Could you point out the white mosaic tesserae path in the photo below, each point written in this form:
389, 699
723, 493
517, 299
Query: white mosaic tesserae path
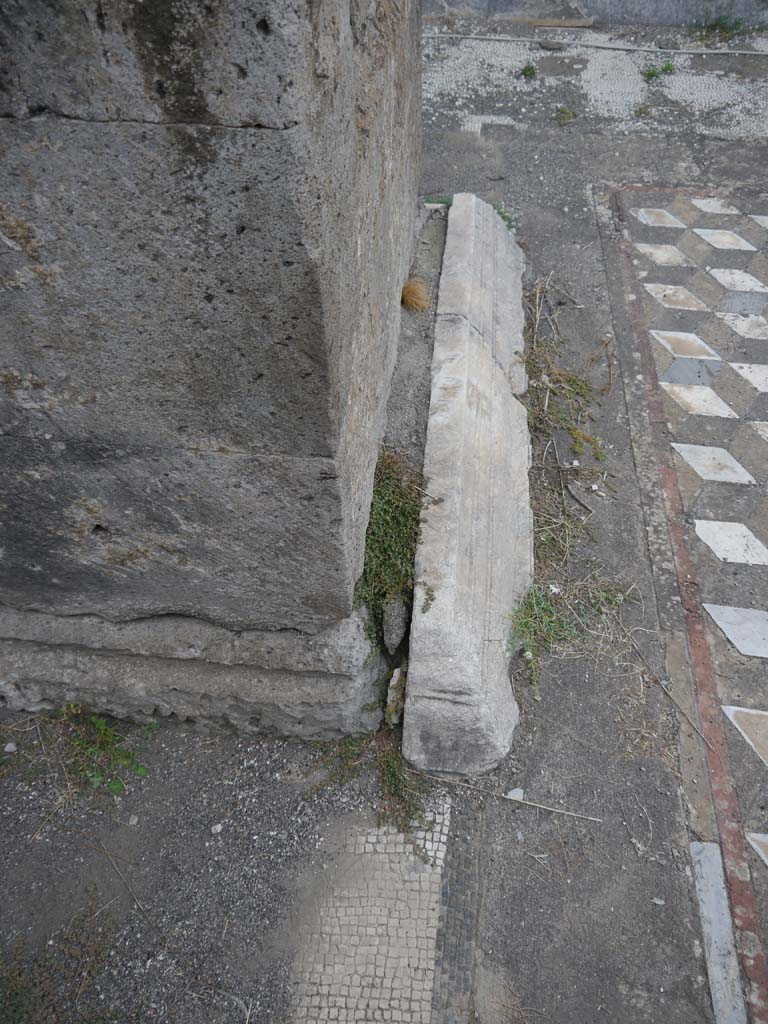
368, 952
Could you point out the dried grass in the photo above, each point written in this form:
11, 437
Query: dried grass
415, 295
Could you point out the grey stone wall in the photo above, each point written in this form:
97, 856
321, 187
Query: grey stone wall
206, 219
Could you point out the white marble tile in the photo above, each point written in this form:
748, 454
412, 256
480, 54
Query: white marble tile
737, 280
761, 428
759, 843
753, 326
753, 726
657, 218
699, 400
684, 345
664, 255
713, 205
759, 219
732, 542
714, 463
674, 296
746, 628
719, 239
755, 373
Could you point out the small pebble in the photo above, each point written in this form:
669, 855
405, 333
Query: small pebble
216, 829
10, 748
133, 820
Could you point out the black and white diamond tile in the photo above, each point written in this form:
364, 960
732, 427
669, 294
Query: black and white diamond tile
703, 266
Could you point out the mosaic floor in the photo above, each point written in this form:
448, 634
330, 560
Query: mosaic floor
697, 291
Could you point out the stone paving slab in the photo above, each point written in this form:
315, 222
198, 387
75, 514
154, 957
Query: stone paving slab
474, 560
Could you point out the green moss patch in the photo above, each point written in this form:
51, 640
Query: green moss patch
390, 543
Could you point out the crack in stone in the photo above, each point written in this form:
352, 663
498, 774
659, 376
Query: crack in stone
149, 620
245, 126
479, 336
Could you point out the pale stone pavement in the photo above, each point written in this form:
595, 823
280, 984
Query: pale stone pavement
368, 950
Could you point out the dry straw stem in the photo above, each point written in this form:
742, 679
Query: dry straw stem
415, 295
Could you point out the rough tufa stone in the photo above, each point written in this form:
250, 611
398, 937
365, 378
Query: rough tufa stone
210, 210
207, 218
474, 560
317, 687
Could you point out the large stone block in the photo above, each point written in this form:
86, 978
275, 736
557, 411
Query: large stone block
317, 687
207, 216
475, 555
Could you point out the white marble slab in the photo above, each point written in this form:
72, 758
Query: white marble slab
715, 464
699, 400
732, 542
746, 628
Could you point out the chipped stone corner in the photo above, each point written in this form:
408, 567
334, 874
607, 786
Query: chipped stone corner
474, 561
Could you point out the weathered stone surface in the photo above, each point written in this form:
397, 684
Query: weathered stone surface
481, 282
395, 624
209, 212
317, 687
138, 531
475, 555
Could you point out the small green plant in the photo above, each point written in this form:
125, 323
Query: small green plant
528, 71
102, 756
651, 73
17, 995
540, 624
562, 615
59, 982
668, 67
643, 110
722, 29
564, 116
401, 792
343, 760
439, 200
557, 398
429, 598
505, 215
390, 542
566, 617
